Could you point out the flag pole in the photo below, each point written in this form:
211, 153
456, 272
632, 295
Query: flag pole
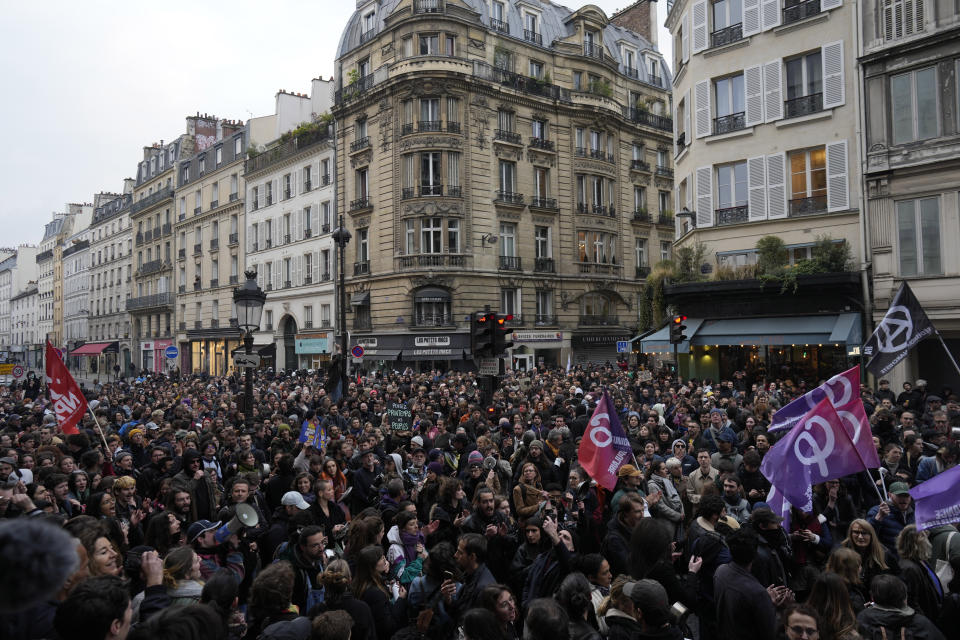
106, 447
949, 355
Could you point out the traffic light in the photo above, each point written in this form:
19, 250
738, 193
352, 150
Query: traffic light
500, 333
677, 328
482, 334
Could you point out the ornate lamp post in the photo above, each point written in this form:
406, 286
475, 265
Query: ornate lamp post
342, 237
248, 301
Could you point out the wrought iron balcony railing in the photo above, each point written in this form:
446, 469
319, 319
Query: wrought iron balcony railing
732, 215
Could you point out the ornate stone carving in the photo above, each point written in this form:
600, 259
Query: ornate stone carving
505, 151
431, 279
438, 207
363, 222
508, 283
479, 100
597, 167
879, 188
417, 142
477, 44
361, 159
541, 158
543, 220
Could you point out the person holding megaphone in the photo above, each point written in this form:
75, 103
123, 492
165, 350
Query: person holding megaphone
218, 543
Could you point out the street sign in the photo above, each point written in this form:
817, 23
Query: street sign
623, 346
488, 366
246, 360
357, 351
6, 369
171, 352
59, 352
18, 372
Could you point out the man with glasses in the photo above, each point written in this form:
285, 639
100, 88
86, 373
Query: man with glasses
889, 518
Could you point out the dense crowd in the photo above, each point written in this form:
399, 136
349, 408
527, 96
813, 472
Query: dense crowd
176, 515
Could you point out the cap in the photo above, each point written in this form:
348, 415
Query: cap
199, 528
151, 426
436, 467
628, 470
900, 489
294, 499
9, 461
933, 398
536, 443
651, 598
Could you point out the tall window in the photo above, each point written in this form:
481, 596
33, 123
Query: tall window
498, 10
639, 199
808, 175
732, 185
362, 183
596, 246
508, 176
508, 239
410, 237
538, 128
541, 181
509, 300
429, 45
541, 239
431, 235
918, 228
453, 236
664, 250
505, 120
431, 180
544, 306
914, 97
727, 13
804, 76
902, 18
640, 252
729, 95
363, 249
430, 111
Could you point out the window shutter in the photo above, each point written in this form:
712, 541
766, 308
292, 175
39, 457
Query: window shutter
757, 188
699, 26
838, 196
259, 269
753, 87
689, 203
249, 243
676, 125
702, 97
293, 183
316, 267
773, 90
685, 37
830, 4
686, 117
777, 186
831, 57
705, 197
298, 263
770, 13
277, 274
297, 224
261, 196
751, 17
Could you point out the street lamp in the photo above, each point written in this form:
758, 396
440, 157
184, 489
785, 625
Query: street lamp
248, 303
342, 237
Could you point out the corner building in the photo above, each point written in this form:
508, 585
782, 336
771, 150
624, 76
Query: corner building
502, 153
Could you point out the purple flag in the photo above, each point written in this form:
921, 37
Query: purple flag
937, 500
780, 506
843, 391
816, 449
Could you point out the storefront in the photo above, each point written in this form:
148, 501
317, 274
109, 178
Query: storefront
153, 358
95, 357
797, 348
436, 350
536, 349
596, 348
209, 351
313, 349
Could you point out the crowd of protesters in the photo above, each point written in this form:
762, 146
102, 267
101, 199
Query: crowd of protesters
177, 515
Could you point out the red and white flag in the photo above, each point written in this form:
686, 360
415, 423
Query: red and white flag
68, 401
604, 447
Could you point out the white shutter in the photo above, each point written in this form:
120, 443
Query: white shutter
297, 224
297, 276
757, 188
250, 200
249, 243
773, 90
770, 13
277, 274
777, 186
261, 195
705, 197
315, 212
260, 282
685, 37
687, 105
838, 195
753, 87
689, 203
831, 57
702, 98
751, 17
830, 4
676, 124
316, 267
699, 34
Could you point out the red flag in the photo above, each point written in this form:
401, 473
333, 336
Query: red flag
68, 402
604, 447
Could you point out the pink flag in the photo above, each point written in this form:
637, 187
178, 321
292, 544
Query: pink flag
816, 449
604, 447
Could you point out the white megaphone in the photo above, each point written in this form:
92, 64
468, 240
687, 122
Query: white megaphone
246, 516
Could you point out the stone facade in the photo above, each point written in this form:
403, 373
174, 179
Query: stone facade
111, 276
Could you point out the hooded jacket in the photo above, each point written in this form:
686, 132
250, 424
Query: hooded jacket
871, 620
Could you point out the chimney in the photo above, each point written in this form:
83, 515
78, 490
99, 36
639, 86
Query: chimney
640, 17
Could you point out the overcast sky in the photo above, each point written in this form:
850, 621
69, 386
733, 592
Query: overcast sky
88, 84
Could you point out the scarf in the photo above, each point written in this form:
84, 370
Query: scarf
410, 542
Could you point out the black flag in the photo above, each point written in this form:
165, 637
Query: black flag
904, 325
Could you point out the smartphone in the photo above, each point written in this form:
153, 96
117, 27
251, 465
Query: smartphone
448, 575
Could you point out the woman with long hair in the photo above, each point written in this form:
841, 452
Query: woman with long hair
407, 551
79, 486
499, 600
924, 590
303, 483
369, 585
163, 532
597, 570
528, 493
181, 579
364, 531
332, 474
450, 511
618, 613
336, 581
874, 557
846, 563
326, 512
102, 556
830, 598
424, 592
573, 594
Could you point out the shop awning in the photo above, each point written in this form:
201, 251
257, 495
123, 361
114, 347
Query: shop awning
432, 294
831, 328
382, 354
360, 299
96, 348
266, 350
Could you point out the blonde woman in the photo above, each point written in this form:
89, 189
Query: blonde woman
618, 613
875, 559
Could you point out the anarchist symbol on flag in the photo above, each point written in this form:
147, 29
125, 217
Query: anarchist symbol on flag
904, 325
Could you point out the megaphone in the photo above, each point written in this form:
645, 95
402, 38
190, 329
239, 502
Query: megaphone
246, 516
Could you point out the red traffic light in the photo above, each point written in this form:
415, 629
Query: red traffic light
679, 319
481, 318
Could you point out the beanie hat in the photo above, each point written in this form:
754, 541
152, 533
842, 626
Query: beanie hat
475, 457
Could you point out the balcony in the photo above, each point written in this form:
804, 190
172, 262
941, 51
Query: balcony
640, 165
234, 238
599, 154
519, 82
506, 136
308, 233
544, 265
499, 25
361, 268
510, 263
598, 321
197, 249
428, 6
148, 236
234, 279
802, 106
197, 286
813, 205
541, 143
601, 268
368, 35
727, 35
324, 180
429, 125
453, 127
361, 143
795, 11
287, 193
640, 215
197, 210
267, 243
544, 203
307, 186
286, 238
152, 267
545, 320
214, 204
509, 198
268, 199
166, 229
665, 219
630, 72
325, 227
533, 36
642, 271
325, 277
682, 140
655, 80
434, 321
427, 190
731, 215
214, 283
601, 210
152, 199
729, 123
139, 238
287, 284
282, 151
182, 288
214, 244
644, 117
307, 279
666, 172
147, 302
255, 247
360, 203
234, 197
593, 51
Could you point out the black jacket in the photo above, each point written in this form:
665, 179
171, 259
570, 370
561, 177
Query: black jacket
873, 619
744, 609
616, 547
